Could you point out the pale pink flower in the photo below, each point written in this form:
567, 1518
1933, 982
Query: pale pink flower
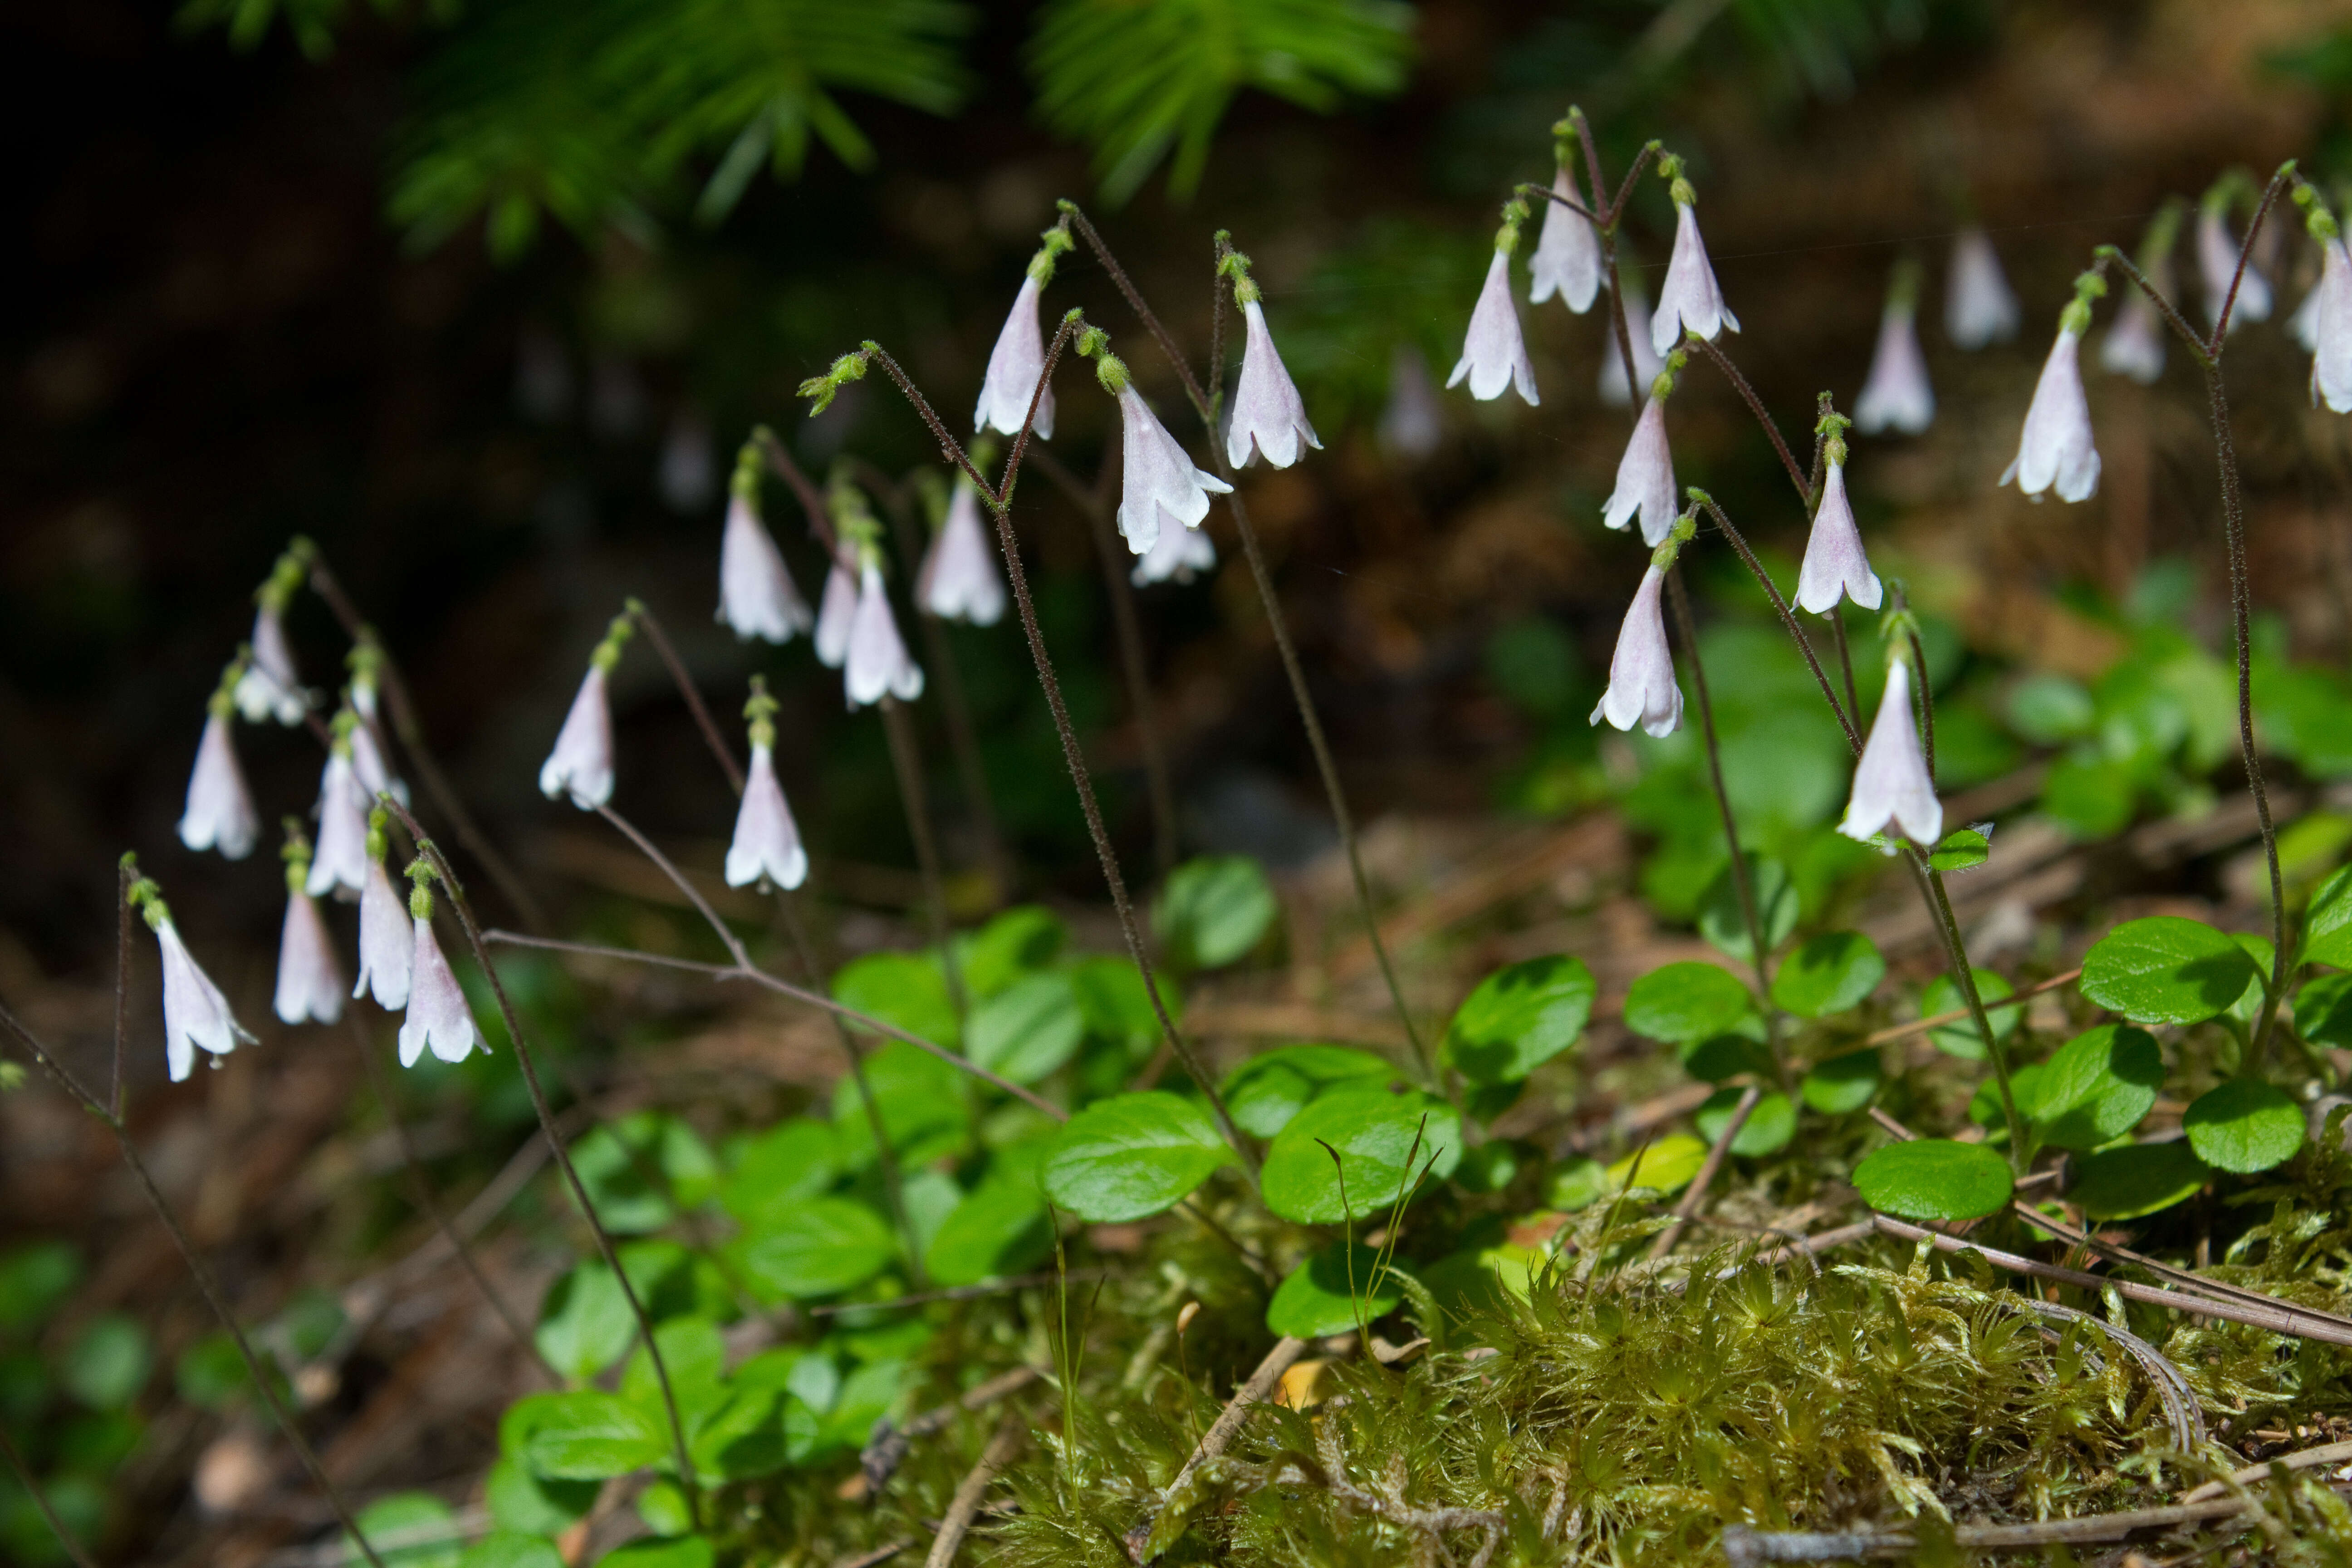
833, 614
438, 1018
219, 814
580, 766
339, 867
959, 581
1834, 561
1414, 422
1690, 297
1979, 308
2304, 325
387, 946
1645, 479
368, 767
2055, 448
1267, 413
1493, 353
2331, 362
269, 687
2134, 345
2217, 263
1567, 261
1642, 687
309, 983
1897, 394
767, 841
1015, 367
756, 596
1614, 390
878, 662
195, 1013
1158, 483
1177, 554
1891, 782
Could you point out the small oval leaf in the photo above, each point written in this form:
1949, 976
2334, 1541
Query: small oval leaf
1827, 973
2096, 1088
1132, 1156
1520, 1017
1767, 1130
1723, 919
1383, 1141
818, 1248
2137, 1179
2243, 1126
1667, 1165
1678, 1003
1843, 1084
1214, 911
1333, 1292
1265, 1093
1027, 1029
2166, 970
1934, 1178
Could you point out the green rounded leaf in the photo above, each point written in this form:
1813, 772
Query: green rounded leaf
1265, 1093
2323, 1011
511, 1549
522, 1503
2096, 1088
590, 1436
2328, 922
818, 1248
1116, 1006
906, 989
925, 1102
409, 1530
677, 1552
1767, 1128
635, 1168
1520, 1017
1843, 1084
1827, 973
1336, 1290
1667, 1165
2136, 1180
2243, 1126
2166, 970
1029, 1028
795, 1159
1934, 1178
2050, 709
1723, 919
1000, 1229
1574, 1184
1132, 1156
34, 1278
1724, 1057
1019, 942
109, 1363
1963, 849
1214, 911
1383, 1141
1679, 1003
1960, 1038
584, 1323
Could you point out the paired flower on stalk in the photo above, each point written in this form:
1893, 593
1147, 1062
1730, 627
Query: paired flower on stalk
757, 597
767, 843
2217, 260
340, 865
1642, 689
195, 1014
2055, 448
1493, 352
580, 766
857, 624
1891, 782
1646, 474
1979, 308
1567, 261
1835, 566
2331, 345
1897, 394
2134, 345
269, 688
1269, 417
1016, 365
309, 981
1160, 486
438, 1018
219, 813
959, 580
1690, 300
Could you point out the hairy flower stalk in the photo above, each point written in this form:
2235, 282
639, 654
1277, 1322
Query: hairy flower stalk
1269, 417
959, 580
767, 843
1158, 484
1835, 564
309, 981
195, 1014
1897, 394
438, 1019
757, 597
579, 768
2055, 448
1690, 300
1646, 474
1642, 687
1018, 362
1979, 308
387, 944
2217, 262
1567, 259
1616, 391
219, 812
2134, 345
1891, 782
1493, 352
340, 865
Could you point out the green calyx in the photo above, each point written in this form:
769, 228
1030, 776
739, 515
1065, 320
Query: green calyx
2318, 221
223, 701
1515, 215
1233, 264
296, 853
365, 659
1092, 343
344, 721
854, 522
1661, 385
378, 832
285, 578
1684, 530
761, 710
822, 389
745, 484
1903, 284
1671, 170
1052, 244
1832, 428
145, 897
1564, 138
2075, 318
420, 891
618, 633
1897, 628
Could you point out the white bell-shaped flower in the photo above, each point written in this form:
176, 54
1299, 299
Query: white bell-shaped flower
269, 688
1690, 299
387, 945
1175, 556
1158, 483
1645, 479
438, 1019
1979, 308
2304, 325
1891, 782
1493, 353
368, 770
1567, 261
756, 594
1834, 561
1414, 423
340, 865
878, 663
2055, 448
309, 981
767, 841
833, 614
195, 1013
2331, 361
1014, 368
2217, 265
1642, 689
580, 766
2134, 345
959, 580
1614, 390
1267, 416
1897, 394
219, 814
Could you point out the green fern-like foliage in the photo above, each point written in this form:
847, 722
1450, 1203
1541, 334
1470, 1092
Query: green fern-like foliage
593, 111
1136, 79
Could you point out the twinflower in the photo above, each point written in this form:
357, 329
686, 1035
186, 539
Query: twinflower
767, 843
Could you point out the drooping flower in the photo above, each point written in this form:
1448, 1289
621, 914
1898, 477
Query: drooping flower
1014, 368
195, 1013
1158, 483
340, 865
387, 944
1642, 687
309, 981
756, 594
959, 580
1891, 782
1493, 353
2055, 448
1567, 261
438, 1019
878, 662
1979, 308
833, 614
1614, 390
1690, 299
2305, 323
1177, 554
2217, 264
1268, 415
2134, 345
270, 688
1834, 561
1414, 422
219, 814
1897, 394
688, 468
580, 766
1645, 478
767, 841
2331, 361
